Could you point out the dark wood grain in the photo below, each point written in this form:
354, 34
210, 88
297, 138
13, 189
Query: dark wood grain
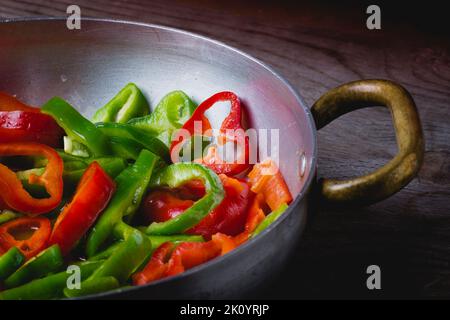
317, 47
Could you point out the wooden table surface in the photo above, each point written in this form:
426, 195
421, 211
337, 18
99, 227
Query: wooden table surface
317, 47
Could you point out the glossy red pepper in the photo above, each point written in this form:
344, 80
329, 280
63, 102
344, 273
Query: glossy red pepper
29, 235
255, 216
10, 103
266, 179
231, 130
21, 123
228, 217
12, 192
156, 268
162, 205
169, 260
190, 254
93, 193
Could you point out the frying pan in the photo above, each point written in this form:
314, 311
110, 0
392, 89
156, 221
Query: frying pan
41, 58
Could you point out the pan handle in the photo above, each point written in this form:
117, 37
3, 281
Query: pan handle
399, 171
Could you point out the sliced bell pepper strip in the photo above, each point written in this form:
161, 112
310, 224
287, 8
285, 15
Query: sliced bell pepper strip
92, 287
91, 197
128, 256
124, 261
8, 215
175, 176
10, 262
231, 130
11, 190
16, 233
131, 186
27, 126
270, 218
190, 254
50, 287
10, 103
171, 259
169, 115
156, 268
228, 217
266, 178
156, 242
161, 205
141, 137
112, 166
127, 104
78, 128
73, 171
125, 148
46, 262
254, 218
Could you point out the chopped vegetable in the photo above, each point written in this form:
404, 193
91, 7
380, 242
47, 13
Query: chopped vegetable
29, 235
12, 192
131, 185
169, 115
29, 126
10, 262
81, 132
91, 198
129, 103
266, 179
46, 262
231, 131
176, 175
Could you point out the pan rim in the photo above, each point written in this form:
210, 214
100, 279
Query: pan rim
291, 209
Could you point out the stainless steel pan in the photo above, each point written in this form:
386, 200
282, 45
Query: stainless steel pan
42, 58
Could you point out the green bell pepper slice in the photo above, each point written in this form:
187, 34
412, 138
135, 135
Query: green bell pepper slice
127, 257
10, 262
140, 137
49, 260
169, 115
8, 215
125, 148
81, 131
131, 185
50, 287
176, 175
73, 171
155, 240
93, 286
269, 219
127, 104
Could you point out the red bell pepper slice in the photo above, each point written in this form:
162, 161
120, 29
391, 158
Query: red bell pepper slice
12, 192
266, 179
160, 206
24, 126
228, 217
255, 216
10, 103
92, 195
169, 260
22, 123
231, 130
190, 254
16, 233
156, 268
